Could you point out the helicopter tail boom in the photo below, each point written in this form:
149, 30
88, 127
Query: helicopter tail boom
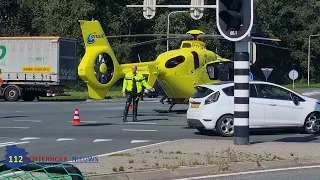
99, 67
148, 69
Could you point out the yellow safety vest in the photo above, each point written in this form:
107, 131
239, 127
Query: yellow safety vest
140, 81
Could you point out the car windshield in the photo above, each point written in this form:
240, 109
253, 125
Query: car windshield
202, 92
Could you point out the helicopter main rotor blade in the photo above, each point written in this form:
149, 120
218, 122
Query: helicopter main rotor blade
267, 39
200, 36
164, 39
151, 42
271, 46
210, 36
152, 35
203, 36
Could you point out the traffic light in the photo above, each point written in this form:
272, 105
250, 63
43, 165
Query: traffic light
234, 18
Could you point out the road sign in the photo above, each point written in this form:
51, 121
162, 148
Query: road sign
293, 74
266, 72
197, 13
149, 12
250, 76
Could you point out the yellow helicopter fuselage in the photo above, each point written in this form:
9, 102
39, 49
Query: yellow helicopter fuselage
178, 78
178, 71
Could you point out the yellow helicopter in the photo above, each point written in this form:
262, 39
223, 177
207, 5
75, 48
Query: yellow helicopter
177, 71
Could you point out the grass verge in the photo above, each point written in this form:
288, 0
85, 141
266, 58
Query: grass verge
114, 93
161, 159
298, 85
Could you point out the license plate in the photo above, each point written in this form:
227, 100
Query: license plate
195, 105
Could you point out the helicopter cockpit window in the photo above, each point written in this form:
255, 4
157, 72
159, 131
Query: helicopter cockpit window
223, 72
211, 72
218, 71
173, 62
186, 45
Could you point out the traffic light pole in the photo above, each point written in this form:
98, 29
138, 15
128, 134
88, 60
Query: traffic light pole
241, 93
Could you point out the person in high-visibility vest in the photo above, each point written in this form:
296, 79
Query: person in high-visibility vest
132, 89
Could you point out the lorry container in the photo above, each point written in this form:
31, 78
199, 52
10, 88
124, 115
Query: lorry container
33, 67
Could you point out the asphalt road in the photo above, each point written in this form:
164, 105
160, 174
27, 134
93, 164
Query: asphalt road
292, 174
45, 128
311, 92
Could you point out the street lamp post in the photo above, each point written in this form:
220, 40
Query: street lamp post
309, 56
173, 12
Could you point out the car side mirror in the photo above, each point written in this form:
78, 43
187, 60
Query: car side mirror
295, 100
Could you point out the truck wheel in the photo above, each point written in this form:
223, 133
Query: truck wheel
12, 94
28, 96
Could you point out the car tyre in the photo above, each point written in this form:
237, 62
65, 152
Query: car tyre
312, 123
225, 126
190, 125
203, 131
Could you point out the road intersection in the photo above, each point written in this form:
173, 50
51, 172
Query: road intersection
45, 128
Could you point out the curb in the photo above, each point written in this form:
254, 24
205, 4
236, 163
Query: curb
203, 170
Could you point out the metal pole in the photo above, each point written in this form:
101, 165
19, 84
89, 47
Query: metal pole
309, 55
168, 25
241, 93
309, 62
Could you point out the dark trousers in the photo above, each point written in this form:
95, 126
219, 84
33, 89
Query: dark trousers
131, 98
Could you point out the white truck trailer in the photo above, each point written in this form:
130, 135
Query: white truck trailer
33, 67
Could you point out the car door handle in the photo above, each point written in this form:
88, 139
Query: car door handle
271, 104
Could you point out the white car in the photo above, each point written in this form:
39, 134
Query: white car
271, 106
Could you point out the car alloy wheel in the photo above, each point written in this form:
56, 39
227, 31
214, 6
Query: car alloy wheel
226, 125
312, 124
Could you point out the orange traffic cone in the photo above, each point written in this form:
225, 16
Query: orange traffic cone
76, 118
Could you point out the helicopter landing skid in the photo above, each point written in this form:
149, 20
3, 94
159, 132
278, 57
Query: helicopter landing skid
168, 111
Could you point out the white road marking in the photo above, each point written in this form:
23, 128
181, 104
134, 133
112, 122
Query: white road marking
250, 172
29, 138
65, 139
18, 111
14, 127
140, 147
86, 121
101, 140
14, 143
6, 143
139, 141
139, 123
140, 130
27, 120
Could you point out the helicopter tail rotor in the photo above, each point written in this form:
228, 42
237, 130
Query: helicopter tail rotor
99, 67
